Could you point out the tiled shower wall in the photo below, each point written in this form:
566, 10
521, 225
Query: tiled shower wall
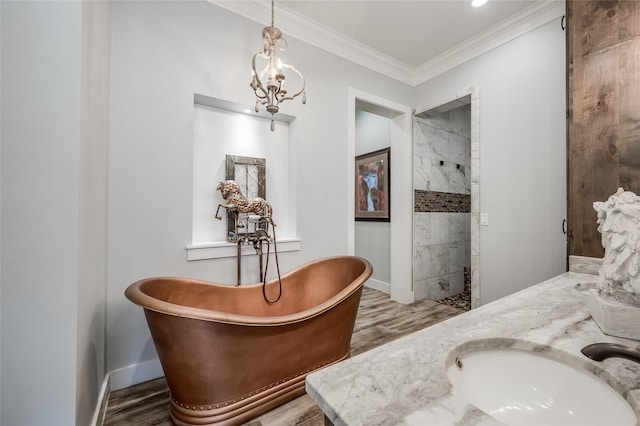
442, 215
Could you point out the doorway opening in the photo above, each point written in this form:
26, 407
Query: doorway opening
446, 214
398, 118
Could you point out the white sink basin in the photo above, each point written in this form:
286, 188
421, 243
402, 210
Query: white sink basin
519, 387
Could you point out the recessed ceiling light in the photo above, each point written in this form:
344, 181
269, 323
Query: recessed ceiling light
478, 3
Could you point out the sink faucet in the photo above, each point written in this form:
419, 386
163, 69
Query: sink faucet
602, 351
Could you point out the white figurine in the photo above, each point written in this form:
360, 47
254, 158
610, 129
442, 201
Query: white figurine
619, 224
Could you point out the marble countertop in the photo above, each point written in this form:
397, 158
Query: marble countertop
404, 382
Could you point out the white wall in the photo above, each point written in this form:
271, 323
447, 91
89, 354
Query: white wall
55, 96
373, 239
40, 139
522, 156
93, 192
40, 188
163, 53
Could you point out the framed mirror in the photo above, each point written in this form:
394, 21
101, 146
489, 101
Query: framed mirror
250, 174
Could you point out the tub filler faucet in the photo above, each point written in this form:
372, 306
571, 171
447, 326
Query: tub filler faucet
602, 351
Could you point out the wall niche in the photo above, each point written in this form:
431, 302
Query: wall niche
221, 129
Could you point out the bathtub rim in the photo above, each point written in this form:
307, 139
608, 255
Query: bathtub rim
138, 297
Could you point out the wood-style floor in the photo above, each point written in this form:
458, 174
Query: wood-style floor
379, 321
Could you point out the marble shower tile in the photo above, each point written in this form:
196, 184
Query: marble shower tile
475, 196
467, 152
467, 182
475, 146
421, 144
421, 262
467, 254
439, 287
420, 119
421, 172
439, 228
421, 289
467, 121
422, 229
439, 143
475, 281
475, 231
460, 120
457, 257
457, 226
458, 148
456, 282
467, 226
475, 161
459, 182
439, 178
439, 120
439, 264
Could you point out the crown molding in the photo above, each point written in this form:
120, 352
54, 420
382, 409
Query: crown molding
535, 16
320, 36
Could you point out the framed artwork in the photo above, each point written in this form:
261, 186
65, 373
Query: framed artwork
372, 186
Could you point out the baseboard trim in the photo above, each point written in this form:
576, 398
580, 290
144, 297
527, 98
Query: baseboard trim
103, 400
136, 373
378, 285
120, 379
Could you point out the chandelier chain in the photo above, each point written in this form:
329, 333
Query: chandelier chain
273, 6
268, 85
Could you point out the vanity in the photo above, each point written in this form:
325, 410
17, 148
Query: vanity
409, 381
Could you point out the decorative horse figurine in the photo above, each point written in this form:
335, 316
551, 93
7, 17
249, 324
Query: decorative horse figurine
236, 202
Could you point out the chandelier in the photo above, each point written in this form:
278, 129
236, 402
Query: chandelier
268, 85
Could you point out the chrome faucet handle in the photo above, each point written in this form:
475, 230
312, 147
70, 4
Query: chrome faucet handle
601, 351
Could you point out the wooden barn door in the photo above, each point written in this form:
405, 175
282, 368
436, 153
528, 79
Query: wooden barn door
603, 64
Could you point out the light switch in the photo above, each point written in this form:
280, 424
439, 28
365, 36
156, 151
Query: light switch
484, 219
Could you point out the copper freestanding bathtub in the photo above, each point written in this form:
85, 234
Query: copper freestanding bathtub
229, 355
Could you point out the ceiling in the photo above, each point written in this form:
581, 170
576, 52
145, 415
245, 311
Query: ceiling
409, 40
412, 32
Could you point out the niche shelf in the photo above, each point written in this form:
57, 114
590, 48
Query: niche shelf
221, 249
